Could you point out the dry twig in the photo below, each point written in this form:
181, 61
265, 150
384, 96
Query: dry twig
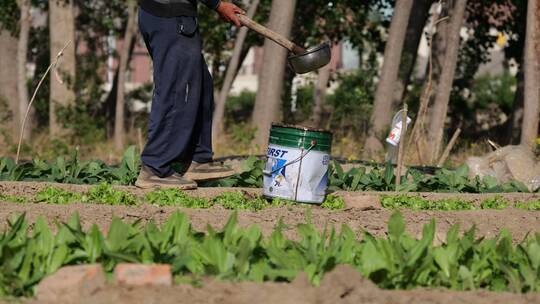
51, 66
449, 147
494, 145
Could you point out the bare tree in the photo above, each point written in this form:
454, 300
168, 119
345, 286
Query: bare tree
319, 94
219, 112
382, 108
531, 103
8, 81
268, 101
436, 40
129, 35
415, 29
62, 30
446, 80
22, 51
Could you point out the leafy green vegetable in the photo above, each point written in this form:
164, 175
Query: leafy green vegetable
372, 178
251, 175
239, 200
175, 197
13, 198
533, 205
106, 194
497, 202
381, 179
73, 170
418, 203
333, 203
54, 195
235, 253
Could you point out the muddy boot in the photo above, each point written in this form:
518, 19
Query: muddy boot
147, 179
208, 171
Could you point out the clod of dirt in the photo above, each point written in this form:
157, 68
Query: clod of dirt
301, 281
345, 282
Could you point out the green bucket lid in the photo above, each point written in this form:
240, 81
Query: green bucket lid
301, 137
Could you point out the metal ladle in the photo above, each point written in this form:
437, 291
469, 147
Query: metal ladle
302, 61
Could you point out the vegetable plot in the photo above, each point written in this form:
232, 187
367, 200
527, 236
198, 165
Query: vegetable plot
376, 178
452, 204
382, 178
244, 254
73, 170
106, 194
444, 180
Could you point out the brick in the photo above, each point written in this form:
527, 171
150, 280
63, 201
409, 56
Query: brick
139, 274
71, 283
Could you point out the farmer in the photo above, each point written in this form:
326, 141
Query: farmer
181, 116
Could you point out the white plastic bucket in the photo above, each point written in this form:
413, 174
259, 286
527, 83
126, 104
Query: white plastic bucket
297, 173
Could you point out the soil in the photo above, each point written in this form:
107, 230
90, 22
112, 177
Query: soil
342, 285
361, 200
363, 212
488, 222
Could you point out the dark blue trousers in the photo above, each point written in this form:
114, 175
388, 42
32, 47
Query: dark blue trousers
180, 128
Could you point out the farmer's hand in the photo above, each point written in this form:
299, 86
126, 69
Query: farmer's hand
228, 12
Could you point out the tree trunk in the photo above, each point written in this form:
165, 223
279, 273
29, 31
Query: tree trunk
415, 29
440, 42
531, 104
108, 108
319, 95
22, 51
8, 79
61, 30
444, 87
437, 40
513, 130
219, 113
268, 101
382, 108
129, 35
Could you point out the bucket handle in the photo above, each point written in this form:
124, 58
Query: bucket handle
299, 158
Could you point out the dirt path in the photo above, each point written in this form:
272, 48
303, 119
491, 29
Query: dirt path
342, 285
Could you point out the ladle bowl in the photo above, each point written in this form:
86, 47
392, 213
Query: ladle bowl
313, 59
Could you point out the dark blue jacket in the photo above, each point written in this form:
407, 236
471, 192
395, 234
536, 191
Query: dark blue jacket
175, 8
